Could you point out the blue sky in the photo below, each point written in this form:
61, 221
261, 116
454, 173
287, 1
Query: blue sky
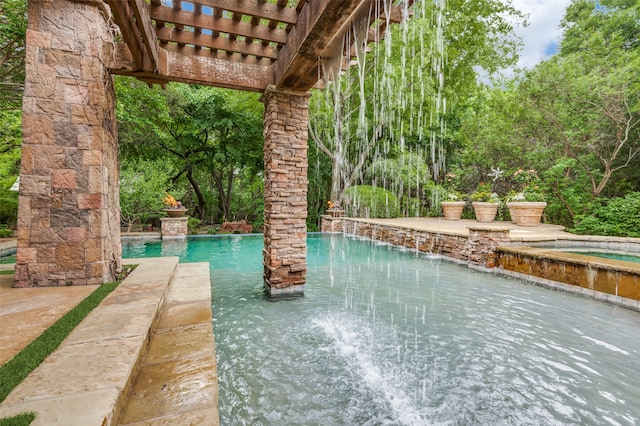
542, 35
540, 38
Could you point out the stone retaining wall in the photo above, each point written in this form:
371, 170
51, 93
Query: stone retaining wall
478, 248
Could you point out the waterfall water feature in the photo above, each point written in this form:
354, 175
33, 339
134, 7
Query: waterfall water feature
388, 336
396, 90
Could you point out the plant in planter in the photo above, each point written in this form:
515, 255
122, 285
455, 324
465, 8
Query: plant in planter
526, 205
485, 202
453, 201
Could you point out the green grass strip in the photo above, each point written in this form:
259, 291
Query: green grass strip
6, 272
23, 419
14, 371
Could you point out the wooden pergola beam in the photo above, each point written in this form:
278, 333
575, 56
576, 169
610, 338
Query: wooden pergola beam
255, 9
216, 43
137, 33
185, 65
319, 24
141, 12
217, 25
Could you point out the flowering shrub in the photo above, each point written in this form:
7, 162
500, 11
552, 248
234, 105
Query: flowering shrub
528, 188
484, 193
451, 194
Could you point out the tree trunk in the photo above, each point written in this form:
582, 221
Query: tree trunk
198, 192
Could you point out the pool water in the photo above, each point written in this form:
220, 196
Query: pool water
385, 336
610, 255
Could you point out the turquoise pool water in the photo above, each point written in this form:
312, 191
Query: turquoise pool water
609, 255
391, 337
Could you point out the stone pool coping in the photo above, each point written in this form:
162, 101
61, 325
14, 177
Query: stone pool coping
105, 371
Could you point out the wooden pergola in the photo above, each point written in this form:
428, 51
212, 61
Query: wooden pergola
68, 228
240, 44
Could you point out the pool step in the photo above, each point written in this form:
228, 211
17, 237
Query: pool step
86, 379
177, 382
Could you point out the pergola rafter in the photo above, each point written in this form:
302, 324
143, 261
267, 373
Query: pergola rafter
269, 42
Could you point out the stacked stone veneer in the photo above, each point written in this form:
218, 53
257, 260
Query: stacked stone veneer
68, 219
174, 228
285, 190
476, 249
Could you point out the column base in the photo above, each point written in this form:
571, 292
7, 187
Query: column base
294, 290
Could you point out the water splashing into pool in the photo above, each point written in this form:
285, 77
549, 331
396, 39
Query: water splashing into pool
391, 337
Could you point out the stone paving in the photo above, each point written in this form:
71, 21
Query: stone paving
129, 347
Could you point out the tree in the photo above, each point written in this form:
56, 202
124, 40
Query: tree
13, 29
211, 136
143, 183
11, 138
574, 117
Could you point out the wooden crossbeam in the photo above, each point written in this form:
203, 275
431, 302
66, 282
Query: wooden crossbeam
216, 43
122, 15
147, 32
217, 25
260, 10
185, 65
320, 23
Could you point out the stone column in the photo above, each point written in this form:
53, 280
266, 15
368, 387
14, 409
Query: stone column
285, 191
68, 219
174, 228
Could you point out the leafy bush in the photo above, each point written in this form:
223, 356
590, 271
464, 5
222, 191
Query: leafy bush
8, 202
4, 232
411, 207
370, 201
193, 224
620, 217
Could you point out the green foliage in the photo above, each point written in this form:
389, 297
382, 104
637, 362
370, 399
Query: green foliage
11, 137
8, 202
14, 371
13, 28
4, 232
484, 193
22, 419
370, 201
212, 137
193, 224
619, 217
143, 184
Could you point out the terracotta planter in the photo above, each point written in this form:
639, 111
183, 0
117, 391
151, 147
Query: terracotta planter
526, 213
485, 212
176, 212
335, 212
452, 209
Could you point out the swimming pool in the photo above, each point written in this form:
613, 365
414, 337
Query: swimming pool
627, 257
389, 336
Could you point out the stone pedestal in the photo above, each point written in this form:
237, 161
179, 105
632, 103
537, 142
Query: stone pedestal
174, 228
331, 224
69, 213
285, 191
482, 244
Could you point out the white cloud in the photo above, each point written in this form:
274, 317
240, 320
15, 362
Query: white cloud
543, 34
